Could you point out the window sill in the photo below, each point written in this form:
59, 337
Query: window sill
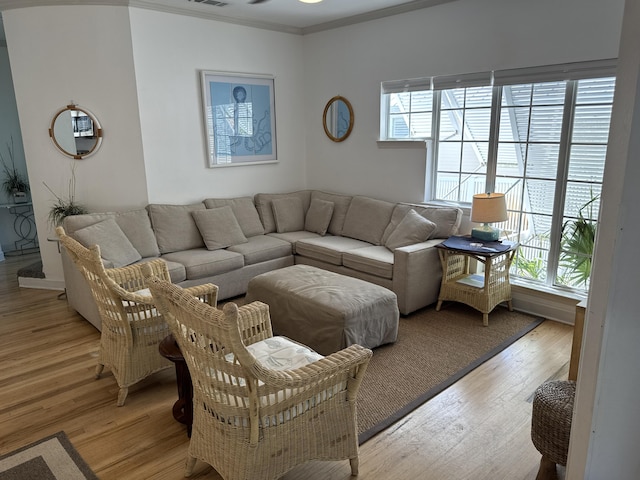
415, 143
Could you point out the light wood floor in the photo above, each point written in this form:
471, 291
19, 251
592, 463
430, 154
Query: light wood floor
477, 429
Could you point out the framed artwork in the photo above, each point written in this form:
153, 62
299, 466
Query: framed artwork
239, 118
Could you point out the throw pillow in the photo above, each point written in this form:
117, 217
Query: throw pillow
413, 228
115, 247
319, 216
288, 213
219, 227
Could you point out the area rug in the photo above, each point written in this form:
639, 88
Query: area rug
433, 351
52, 458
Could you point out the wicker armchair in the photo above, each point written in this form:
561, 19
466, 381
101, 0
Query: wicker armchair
258, 418
132, 327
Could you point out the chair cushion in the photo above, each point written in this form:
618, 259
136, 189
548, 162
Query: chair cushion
174, 227
218, 227
318, 216
115, 247
293, 237
367, 219
281, 353
413, 228
288, 213
262, 248
244, 211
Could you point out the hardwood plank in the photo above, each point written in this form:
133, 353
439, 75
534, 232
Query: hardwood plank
479, 428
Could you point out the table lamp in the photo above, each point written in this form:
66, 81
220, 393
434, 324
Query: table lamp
488, 208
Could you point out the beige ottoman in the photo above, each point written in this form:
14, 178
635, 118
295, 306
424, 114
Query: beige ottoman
324, 310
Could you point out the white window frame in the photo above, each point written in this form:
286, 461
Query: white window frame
497, 80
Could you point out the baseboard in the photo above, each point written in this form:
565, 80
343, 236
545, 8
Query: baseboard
544, 304
42, 283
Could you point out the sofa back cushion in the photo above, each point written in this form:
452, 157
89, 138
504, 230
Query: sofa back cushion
318, 216
367, 219
447, 219
218, 227
412, 229
340, 206
288, 214
174, 226
244, 211
135, 224
115, 247
265, 208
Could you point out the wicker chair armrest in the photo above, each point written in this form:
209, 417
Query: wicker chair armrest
352, 357
207, 292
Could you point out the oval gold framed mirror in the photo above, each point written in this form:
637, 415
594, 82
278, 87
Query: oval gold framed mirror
338, 118
75, 132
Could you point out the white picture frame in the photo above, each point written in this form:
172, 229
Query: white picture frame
239, 118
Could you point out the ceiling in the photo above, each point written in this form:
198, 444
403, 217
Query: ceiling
290, 16
295, 15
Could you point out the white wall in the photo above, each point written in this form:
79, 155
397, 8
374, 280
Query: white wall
81, 54
169, 52
458, 37
606, 424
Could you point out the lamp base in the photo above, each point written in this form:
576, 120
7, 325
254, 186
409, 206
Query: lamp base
485, 233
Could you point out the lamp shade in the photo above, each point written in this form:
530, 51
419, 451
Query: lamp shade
489, 208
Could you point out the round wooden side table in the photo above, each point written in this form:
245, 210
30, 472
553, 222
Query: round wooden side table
183, 408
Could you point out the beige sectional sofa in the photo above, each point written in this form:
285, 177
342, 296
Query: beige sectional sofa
228, 241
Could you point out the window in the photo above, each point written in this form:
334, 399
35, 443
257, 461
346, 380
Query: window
538, 135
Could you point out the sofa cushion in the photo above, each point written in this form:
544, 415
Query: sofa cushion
218, 227
262, 248
375, 260
288, 214
174, 227
115, 247
367, 219
328, 249
134, 223
244, 210
293, 237
318, 216
447, 219
177, 272
263, 205
413, 228
340, 206
201, 262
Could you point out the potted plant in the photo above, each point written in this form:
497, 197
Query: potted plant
63, 207
578, 239
14, 184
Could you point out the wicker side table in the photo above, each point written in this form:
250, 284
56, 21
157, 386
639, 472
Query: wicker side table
481, 291
551, 424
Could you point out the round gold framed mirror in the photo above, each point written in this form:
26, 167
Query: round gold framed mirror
75, 132
338, 118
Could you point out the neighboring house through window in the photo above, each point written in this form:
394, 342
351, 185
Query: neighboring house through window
539, 135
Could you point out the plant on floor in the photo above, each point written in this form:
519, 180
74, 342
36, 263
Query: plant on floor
63, 207
14, 181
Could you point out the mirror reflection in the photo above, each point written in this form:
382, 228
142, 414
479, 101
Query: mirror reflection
75, 132
338, 118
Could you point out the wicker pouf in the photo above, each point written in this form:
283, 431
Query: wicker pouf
551, 420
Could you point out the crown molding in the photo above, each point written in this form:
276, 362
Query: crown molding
150, 5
